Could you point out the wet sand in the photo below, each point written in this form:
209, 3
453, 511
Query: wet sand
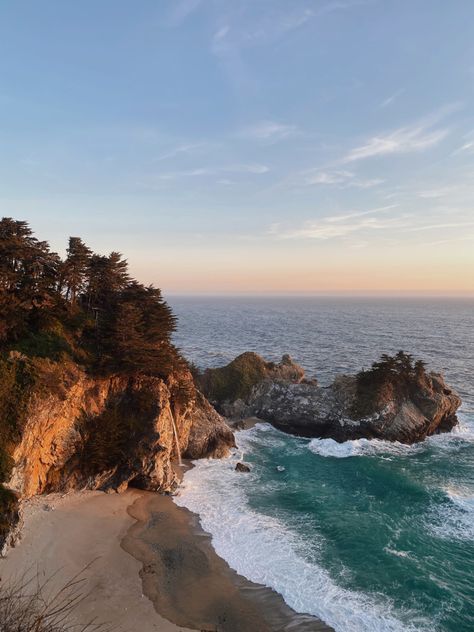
191, 585
146, 566
62, 535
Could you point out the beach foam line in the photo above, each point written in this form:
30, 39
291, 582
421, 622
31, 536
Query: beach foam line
462, 435
265, 551
361, 447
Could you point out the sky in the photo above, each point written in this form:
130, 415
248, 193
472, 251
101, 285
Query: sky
247, 146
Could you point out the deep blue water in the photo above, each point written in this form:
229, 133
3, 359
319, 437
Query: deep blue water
366, 535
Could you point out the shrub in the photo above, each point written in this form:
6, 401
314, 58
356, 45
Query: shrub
44, 344
234, 381
29, 604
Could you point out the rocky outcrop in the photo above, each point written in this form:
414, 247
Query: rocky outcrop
111, 432
231, 387
395, 408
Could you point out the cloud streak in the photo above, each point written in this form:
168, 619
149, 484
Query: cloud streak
341, 178
389, 100
253, 169
404, 140
342, 226
269, 131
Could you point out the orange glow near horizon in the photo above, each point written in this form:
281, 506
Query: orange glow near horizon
280, 270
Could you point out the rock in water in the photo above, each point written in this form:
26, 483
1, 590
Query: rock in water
395, 400
242, 467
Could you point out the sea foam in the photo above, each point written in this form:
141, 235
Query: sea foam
267, 552
461, 436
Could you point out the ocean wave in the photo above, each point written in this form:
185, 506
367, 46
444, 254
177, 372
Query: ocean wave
454, 519
361, 447
462, 435
265, 551
395, 552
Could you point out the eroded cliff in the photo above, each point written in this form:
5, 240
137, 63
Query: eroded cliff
84, 432
107, 433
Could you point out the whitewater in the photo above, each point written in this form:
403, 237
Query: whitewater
366, 535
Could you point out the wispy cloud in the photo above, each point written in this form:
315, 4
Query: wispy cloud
393, 97
431, 194
374, 211
416, 137
343, 226
242, 27
185, 148
401, 141
220, 34
253, 169
181, 10
269, 131
283, 23
341, 178
467, 146
441, 226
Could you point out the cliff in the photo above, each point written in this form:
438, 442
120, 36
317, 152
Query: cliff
393, 401
93, 393
77, 431
107, 433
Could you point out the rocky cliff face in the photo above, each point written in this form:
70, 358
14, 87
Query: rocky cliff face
107, 433
405, 411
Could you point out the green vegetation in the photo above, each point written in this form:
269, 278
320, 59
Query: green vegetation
109, 437
235, 380
86, 307
388, 379
82, 310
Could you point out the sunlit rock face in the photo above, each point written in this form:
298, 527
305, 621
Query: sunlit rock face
108, 433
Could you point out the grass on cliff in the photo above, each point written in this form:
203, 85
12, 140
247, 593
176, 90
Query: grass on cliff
235, 380
29, 604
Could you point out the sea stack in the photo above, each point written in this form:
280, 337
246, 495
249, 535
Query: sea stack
397, 399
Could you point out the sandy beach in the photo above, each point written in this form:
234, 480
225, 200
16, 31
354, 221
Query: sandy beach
62, 535
146, 556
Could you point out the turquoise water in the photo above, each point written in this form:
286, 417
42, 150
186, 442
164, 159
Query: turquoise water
366, 535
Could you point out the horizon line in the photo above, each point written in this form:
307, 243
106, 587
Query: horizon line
288, 294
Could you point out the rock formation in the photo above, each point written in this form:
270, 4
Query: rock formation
242, 467
107, 433
395, 400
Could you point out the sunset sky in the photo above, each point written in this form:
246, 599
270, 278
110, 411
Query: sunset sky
247, 145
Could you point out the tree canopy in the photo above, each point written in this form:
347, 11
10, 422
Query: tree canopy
86, 304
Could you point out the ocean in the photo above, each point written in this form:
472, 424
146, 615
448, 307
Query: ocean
366, 535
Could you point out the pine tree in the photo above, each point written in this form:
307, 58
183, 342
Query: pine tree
75, 268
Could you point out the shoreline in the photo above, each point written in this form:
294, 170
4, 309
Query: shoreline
191, 585
79, 533
144, 564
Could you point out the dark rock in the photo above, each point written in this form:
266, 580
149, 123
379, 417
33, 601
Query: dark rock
242, 467
399, 407
231, 388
